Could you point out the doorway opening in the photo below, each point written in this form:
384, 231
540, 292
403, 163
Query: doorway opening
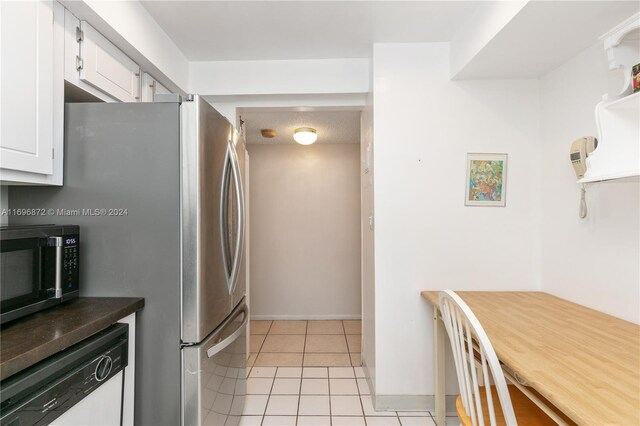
304, 239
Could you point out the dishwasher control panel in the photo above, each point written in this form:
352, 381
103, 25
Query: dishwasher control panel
39, 395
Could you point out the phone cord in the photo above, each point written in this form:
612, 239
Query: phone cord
583, 202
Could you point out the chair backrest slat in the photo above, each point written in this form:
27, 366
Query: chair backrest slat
463, 329
492, 415
474, 377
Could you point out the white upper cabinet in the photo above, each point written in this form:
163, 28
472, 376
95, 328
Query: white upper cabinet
104, 66
151, 87
72, 60
31, 92
43, 45
26, 124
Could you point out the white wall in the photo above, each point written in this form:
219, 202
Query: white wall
230, 85
305, 231
486, 22
593, 261
231, 106
315, 76
367, 245
425, 238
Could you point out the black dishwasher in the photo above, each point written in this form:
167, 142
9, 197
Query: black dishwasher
46, 390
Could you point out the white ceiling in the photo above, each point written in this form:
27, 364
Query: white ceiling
272, 30
332, 126
545, 35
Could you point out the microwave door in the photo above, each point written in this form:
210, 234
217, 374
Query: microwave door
21, 274
214, 374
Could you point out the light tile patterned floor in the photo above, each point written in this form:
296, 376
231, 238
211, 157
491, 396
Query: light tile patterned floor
307, 373
333, 343
317, 396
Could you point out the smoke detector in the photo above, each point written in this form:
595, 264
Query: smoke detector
268, 133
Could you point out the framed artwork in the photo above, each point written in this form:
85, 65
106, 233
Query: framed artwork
486, 182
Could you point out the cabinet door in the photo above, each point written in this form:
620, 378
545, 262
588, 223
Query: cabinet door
151, 87
106, 67
26, 90
72, 60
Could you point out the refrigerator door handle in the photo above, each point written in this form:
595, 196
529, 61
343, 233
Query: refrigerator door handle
222, 344
239, 192
224, 222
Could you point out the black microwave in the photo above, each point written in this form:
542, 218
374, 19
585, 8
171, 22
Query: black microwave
39, 268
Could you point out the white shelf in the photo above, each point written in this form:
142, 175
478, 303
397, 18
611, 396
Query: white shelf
618, 118
626, 102
612, 176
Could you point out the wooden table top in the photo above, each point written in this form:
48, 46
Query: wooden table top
583, 361
29, 340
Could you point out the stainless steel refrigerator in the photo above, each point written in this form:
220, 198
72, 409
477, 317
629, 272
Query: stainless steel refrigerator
157, 189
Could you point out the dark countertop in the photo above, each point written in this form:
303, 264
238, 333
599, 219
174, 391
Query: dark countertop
31, 339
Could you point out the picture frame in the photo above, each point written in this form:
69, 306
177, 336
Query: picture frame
486, 180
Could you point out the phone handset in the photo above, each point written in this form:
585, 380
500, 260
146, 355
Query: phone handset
580, 149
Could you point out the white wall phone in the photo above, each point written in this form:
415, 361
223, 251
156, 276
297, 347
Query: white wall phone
580, 150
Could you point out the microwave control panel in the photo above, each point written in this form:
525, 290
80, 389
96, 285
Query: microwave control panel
70, 262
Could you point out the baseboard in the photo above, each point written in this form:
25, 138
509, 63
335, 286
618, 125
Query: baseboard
406, 402
368, 378
412, 403
304, 317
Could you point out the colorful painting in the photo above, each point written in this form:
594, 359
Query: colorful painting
486, 179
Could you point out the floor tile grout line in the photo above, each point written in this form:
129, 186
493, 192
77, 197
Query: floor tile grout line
304, 349
300, 388
269, 329
269, 397
262, 344
329, 396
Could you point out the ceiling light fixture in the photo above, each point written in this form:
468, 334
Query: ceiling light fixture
305, 135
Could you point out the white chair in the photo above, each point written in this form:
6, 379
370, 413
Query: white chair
477, 405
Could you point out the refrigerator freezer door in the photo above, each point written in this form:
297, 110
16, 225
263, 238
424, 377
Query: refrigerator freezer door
205, 168
214, 374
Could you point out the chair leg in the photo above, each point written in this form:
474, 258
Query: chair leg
439, 364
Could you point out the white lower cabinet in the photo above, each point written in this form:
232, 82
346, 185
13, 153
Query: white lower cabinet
31, 92
112, 404
102, 407
128, 391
